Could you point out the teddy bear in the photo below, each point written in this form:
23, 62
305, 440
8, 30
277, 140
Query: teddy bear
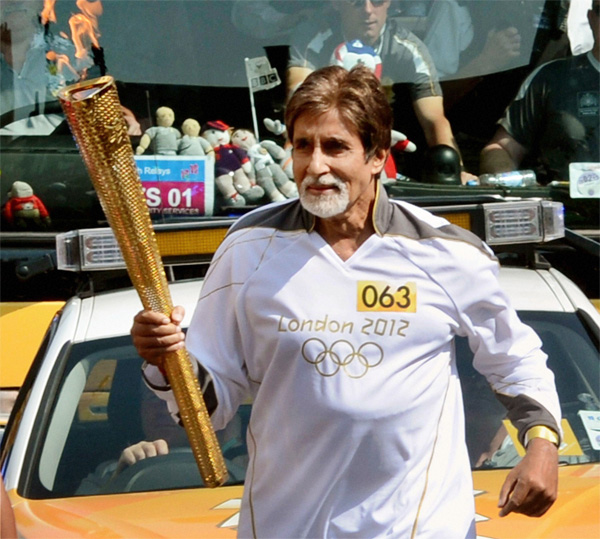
278, 128
163, 138
232, 167
23, 210
191, 143
269, 174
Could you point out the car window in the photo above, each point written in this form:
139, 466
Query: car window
573, 357
173, 53
102, 407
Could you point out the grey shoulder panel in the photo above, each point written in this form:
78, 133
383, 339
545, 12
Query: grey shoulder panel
403, 222
287, 216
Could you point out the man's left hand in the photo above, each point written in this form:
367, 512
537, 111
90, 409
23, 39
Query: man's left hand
531, 486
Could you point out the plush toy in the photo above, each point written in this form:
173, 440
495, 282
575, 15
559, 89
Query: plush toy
24, 210
400, 143
285, 162
269, 175
163, 138
232, 167
191, 143
351, 53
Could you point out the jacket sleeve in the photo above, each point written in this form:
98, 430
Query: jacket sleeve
506, 351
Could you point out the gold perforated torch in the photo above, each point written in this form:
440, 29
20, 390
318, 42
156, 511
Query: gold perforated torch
94, 115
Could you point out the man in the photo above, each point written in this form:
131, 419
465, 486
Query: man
336, 313
554, 119
405, 61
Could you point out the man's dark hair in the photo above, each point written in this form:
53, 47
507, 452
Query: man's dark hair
358, 97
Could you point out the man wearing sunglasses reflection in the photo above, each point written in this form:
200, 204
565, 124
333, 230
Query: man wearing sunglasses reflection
406, 66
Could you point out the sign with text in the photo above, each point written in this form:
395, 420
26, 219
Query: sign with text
584, 180
177, 186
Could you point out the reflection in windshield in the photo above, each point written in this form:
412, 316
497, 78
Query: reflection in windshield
451, 68
106, 428
573, 358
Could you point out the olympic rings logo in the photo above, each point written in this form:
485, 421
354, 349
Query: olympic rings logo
341, 355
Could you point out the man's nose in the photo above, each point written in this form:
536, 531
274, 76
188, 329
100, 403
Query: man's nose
318, 163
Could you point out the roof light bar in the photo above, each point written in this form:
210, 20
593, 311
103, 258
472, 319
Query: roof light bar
88, 250
504, 223
554, 220
531, 221
96, 249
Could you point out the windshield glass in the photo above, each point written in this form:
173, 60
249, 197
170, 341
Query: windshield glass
185, 68
102, 408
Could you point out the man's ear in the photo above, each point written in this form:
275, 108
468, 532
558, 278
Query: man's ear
378, 160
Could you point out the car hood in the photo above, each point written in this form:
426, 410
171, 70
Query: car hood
172, 514
576, 512
214, 512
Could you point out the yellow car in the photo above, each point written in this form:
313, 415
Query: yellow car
18, 347
83, 404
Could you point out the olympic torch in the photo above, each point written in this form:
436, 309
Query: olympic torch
94, 115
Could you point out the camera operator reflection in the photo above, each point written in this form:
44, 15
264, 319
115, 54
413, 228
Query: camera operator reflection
29, 81
553, 120
25, 77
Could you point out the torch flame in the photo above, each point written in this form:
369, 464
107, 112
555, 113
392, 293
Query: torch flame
84, 36
83, 33
91, 8
84, 26
48, 14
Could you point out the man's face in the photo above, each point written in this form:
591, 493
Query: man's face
334, 178
362, 19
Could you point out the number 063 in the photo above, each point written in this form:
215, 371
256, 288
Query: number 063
380, 296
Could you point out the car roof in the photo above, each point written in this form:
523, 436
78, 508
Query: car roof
534, 290
110, 314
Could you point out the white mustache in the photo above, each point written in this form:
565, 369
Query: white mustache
321, 181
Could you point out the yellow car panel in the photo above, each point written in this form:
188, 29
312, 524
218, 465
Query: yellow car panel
178, 514
574, 515
18, 347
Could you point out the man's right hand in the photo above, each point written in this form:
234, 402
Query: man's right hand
155, 334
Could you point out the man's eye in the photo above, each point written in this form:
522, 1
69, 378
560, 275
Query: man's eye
334, 146
300, 145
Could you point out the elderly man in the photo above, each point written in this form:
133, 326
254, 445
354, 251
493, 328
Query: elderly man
357, 431
406, 66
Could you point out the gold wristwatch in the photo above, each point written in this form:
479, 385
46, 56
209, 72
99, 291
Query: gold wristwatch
541, 431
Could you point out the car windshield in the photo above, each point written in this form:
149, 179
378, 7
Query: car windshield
223, 64
100, 406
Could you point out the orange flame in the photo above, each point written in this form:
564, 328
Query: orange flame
91, 8
48, 14
84, 26
82, 33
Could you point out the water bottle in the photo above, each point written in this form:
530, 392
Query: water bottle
515, 178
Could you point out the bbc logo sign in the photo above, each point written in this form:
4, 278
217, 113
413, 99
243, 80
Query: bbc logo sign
264, 80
